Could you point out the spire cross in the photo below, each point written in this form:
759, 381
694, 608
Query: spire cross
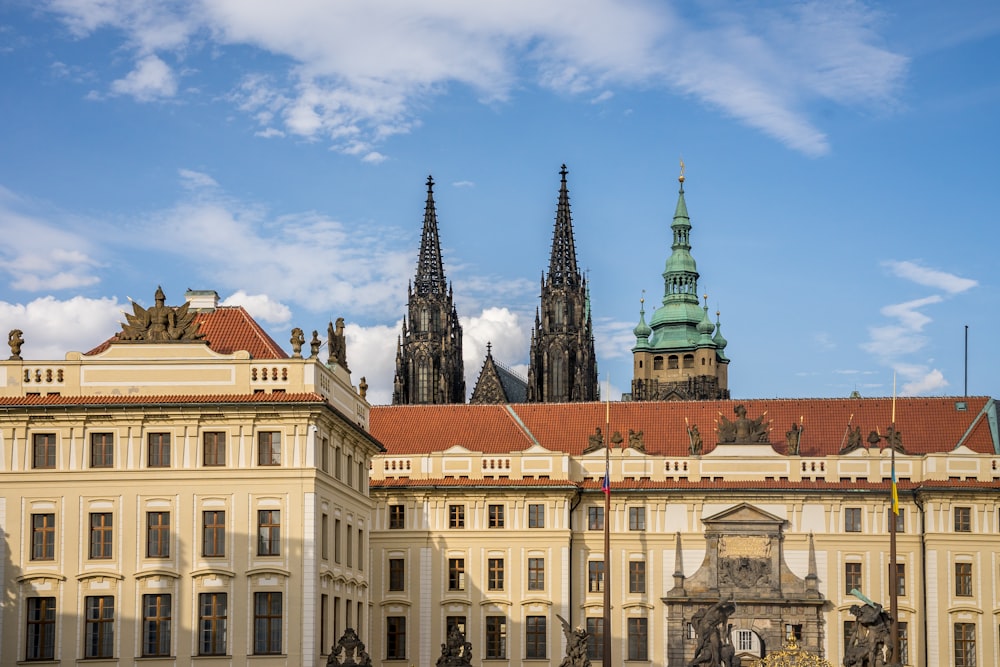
430, 184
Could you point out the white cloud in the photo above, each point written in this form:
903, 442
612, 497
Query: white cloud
150, 80
39, 254
260, 307
922, 275
371, 353
919, 380
463, 184
359, 73
904, 337
193, 180
269, 133
52, 327
501, 328
374, 157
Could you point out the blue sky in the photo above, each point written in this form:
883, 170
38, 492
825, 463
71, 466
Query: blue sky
841, 173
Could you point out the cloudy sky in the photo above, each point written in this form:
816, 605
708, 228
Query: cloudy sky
841, 173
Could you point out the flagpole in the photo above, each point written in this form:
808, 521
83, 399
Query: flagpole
607, 525
894, 656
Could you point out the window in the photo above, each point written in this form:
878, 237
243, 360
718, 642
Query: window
350, 545
158, 450
269, 448
324, 458
494, 579
456, 574
41, 629
268, 532
900, 578
350, 470
534, 637
637, 518
852, 577
157, 534
212, 610
395, 637
266, 623
900, 520
963, 579
361, 549
324, 536
965, 645
43, 451
852, 520
43, 537
456, 516
336, 540
99, 626
496, 637
324, 604
495, 516
214, 534
454, 622
637, 576
536, 574
595, 638
536, 516
214, 443
397, 574
337, 472
595, 576
963, 519
904, 649
397, 516
595, 518
850, 627
638, 631
156, 624
101, 534
102, 450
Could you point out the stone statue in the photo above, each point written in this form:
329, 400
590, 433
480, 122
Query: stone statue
635, 441
595, 441
793, 438
854, 441
743, 430
349, 650
708, 624
617, 439
455, 652
894, 439
159, 323
694, 437
15, 339
363, 387
576, 646
297, 340
869, 646
337, 344
314, 345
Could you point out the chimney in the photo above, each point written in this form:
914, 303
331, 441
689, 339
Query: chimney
202, 300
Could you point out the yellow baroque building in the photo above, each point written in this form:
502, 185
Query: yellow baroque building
185, 493
491, 517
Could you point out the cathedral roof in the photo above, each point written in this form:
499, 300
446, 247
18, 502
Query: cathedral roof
227, 329
927, 424
498, 384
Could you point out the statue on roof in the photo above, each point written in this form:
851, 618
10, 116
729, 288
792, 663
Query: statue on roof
337, 344
854, 440
349, 650
743, 430
159, 323
314, 345
15, 339
695, 443
297, 340
635, 441
595, 441
793, 438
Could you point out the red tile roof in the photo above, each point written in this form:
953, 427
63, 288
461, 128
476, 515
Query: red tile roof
926, 424
228, 329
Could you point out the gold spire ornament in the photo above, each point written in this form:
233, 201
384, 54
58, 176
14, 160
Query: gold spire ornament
681, 177
791, 656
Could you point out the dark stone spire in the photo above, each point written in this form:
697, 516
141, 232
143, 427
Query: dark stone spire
562, 364
430, 269
429, 366
562, 264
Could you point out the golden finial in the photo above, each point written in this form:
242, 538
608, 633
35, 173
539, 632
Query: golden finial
642, 299
681, 177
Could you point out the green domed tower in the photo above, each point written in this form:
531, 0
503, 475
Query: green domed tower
676, 356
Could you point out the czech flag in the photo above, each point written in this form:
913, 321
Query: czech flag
606, 482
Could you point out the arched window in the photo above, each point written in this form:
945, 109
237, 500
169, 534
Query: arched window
425, 382
688, 361
657, 363
672, 362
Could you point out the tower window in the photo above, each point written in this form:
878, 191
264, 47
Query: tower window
657, 363
672, 362
688, 361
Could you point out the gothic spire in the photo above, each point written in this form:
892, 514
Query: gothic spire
680, 276
430, 269
563, 271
